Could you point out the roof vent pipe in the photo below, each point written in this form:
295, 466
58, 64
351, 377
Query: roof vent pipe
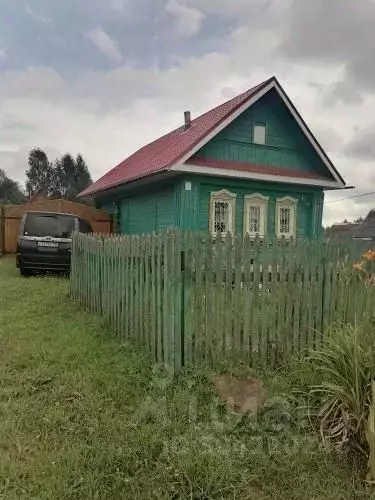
187, 120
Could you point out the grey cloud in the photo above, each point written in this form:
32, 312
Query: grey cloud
341, 93
30, 12
362, 145
330, 30
328, 136
334, 32
105, 43
237, 9
188, 20
141, 31
9, 122
34, 82
14, 164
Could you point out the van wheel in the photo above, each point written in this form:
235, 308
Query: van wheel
25, 272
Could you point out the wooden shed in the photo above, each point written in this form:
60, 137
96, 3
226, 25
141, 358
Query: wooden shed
10, 217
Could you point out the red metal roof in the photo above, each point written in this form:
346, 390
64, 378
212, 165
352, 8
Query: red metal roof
161, 154
254, 168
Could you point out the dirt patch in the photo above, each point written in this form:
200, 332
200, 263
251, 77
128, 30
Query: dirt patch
241, 394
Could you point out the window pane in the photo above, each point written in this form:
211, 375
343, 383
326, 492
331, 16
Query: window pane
259, 134
49, 224
221, 217
285, 220
84, 226
254, 219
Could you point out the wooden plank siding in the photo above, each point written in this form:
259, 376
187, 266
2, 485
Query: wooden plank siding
286, 145
146, 210
195, 204
189, 299
10, 217
185, 203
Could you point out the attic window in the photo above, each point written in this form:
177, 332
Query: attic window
259, 133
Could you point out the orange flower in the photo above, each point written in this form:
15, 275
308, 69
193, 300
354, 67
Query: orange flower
359, 266
369, 255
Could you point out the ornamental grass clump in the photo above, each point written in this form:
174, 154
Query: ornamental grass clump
342, 399
345, 367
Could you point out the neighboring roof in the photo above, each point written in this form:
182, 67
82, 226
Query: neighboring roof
175, 148
367, 228
342, 231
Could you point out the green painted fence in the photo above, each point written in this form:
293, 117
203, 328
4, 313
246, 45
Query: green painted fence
190, 299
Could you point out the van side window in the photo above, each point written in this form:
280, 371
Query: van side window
84, 226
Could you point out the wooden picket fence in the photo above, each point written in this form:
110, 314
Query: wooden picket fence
190, 299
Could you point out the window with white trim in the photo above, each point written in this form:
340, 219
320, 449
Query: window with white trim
255, 215
259, 133
286, 217
222, 212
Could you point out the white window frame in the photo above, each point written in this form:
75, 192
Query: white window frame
226, 197
256, 200
264, 127
291, 203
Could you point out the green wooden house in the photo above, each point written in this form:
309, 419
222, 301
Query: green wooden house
250, 165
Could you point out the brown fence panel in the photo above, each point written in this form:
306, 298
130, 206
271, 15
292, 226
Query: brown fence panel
2, 230
11, 228
10, 217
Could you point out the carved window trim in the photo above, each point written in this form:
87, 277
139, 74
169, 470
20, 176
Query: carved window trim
287, 203
261, 202
229, 199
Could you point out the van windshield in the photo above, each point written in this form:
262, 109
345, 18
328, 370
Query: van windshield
53, 225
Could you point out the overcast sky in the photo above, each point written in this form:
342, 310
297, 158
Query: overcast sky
104, 77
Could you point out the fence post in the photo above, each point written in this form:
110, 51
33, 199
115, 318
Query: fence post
182, 298
73, 273
100, 273
177, 303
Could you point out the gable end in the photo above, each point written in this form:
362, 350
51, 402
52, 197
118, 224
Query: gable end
321, 167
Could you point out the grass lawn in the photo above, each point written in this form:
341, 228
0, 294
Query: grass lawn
83, 416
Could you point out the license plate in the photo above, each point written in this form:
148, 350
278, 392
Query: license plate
47, 244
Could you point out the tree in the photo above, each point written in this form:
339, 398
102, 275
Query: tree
83, 177
69, 177
10, 191
39, 175
65, 178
